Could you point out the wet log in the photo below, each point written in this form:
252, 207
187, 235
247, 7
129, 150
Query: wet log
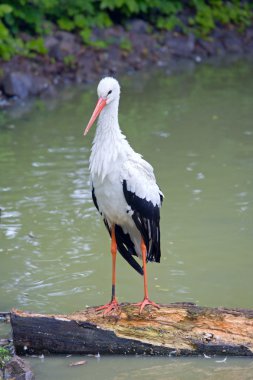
179, 329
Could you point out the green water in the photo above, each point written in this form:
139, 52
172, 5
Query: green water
196, 129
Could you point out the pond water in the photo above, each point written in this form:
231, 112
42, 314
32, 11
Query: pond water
195, 128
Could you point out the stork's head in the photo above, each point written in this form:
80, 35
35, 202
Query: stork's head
108, 92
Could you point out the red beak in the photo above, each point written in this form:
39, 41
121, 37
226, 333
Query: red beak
100, 105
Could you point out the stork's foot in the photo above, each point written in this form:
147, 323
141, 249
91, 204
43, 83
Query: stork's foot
146, 302
108, 307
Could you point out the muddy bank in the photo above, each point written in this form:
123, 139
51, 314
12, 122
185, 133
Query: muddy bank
135, 48
17, 369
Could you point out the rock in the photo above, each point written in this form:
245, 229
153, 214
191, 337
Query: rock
18, 369
112, 35
109, 61
86, 65
65, 36
249, 48
135, 62
131, 47
17, 84
144, 49
115, 54
138, 26
50, 42
63, 49
180, 45
39, 85
249, 41
61, 45
22, 84
4, 341
208, 47
3, 104
232, 42
248, 35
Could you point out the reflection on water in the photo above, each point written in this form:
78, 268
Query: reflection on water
144, 368
196, 129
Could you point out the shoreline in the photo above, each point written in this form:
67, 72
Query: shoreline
68, 61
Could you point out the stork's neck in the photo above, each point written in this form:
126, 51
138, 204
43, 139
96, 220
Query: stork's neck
108, 122
109, 144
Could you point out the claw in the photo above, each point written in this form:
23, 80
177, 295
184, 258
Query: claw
146, 302
108, 307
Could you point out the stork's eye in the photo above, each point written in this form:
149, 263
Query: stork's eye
109, 92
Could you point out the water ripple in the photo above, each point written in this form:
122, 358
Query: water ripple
200, 176
10, 214
43, 164
11, 231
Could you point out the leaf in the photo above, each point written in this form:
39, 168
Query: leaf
5, 9
3, 31
37, 45
66, 24
81, 362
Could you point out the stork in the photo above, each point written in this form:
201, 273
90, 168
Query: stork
124, 191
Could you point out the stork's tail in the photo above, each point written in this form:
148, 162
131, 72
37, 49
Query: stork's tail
126, 248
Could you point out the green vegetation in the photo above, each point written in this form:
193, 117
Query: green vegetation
24, 23
4, 357
69, 60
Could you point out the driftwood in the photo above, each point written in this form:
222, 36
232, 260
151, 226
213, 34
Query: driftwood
175, 329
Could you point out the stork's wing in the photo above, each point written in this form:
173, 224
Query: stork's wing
124, 244
144, 197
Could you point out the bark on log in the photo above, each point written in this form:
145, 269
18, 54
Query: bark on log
174, 329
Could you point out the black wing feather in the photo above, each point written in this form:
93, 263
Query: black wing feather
146, 217
95, 199
126, 248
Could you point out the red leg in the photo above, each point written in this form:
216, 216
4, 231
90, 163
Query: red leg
146, 300
113, 304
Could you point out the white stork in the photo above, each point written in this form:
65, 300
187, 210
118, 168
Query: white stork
124, 191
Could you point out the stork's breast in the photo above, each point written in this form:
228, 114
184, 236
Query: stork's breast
111, 200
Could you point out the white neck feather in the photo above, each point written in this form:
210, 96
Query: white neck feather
109, 144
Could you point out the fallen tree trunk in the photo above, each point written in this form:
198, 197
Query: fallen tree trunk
175, 329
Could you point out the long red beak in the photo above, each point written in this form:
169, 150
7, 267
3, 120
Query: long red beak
100, 105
